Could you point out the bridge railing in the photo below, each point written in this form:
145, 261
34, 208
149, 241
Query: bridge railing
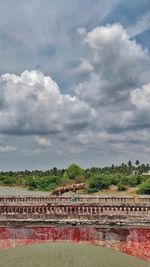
78, 199
69, 211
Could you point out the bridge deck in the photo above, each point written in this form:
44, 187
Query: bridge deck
79, 198
102, 209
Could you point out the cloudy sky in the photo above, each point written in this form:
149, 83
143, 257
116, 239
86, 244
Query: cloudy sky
74, 82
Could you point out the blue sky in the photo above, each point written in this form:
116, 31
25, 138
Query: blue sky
74, 82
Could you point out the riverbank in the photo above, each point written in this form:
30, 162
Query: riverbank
9, 190
18, 190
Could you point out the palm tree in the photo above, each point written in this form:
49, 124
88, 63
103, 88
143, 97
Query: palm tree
130, 163
137, 162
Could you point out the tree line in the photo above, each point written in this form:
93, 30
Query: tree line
123, 176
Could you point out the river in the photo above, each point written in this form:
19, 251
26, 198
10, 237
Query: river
6, 190
66, 255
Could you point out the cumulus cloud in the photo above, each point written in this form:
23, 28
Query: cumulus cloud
33, 104
139, 117
84, 68
108, 112
141, 97
114, 88
117, 62
142, 24
107, 102
135, 119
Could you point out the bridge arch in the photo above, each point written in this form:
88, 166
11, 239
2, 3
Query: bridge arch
133, 241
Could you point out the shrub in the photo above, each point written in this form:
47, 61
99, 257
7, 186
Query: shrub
144, 188
31, 183
125, 180
9, 181
91, 190
45, 183
99, 182
121, 187
114, 180
48, 183
134, 181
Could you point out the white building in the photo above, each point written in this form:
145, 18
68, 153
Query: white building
146, 173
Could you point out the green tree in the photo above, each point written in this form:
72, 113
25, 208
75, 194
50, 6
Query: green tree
144, 188
99, 182
130, 163
73, 171
137, 162
31, 183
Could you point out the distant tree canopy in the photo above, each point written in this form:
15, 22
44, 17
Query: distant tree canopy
137, 162
73, 171
123, 176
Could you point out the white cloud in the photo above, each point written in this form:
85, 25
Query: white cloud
142, 24
33, 104
4, 149
139, 117
108, 114
84, 68
117, 63
141, 97
43, 141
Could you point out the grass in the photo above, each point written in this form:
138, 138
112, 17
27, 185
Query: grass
113, 191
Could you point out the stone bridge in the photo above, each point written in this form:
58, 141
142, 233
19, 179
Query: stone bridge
79, 198
121, 223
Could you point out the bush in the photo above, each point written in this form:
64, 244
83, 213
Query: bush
9, 181
125, 180
45, 183
99, 182
134, 181
114, 180
121, 187
91, 190
48, 183
144, 188
31, 183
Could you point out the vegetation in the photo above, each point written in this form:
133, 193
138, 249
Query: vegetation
123, 177
144, 188
99, 182
73, 171
121, 186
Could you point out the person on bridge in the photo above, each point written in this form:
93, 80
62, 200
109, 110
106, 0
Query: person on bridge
73, 197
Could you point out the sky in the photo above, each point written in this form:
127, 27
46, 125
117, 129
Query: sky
74, 83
